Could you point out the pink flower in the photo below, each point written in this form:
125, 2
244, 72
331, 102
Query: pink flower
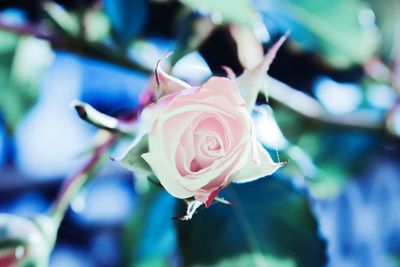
201, 139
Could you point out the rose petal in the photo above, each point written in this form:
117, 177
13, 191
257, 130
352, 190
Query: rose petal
223, 87
218, 172
167, 177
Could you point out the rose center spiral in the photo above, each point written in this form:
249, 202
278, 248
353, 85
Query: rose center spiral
209, 143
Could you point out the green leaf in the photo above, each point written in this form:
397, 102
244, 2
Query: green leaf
227, 11
388, 21
65, 21
269, 224
192, 33
150, 238
22, 61
158, 236
127, 18
343, 31
97, 26
325, 156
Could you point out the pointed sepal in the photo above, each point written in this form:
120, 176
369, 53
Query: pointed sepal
132, 159
167, 84
254, 170
192, 206
252, 80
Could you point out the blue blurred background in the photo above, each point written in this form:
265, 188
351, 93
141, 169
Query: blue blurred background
334, 96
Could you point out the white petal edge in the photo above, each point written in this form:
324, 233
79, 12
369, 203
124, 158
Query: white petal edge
167, 178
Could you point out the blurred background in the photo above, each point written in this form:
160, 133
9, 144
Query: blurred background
331, 109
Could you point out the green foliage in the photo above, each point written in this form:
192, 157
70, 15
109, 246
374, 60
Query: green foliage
326, 155
127, 18
227, 11
342, 31
388, 22
65, 21
150, 235
97, 26
22, 61
269, 224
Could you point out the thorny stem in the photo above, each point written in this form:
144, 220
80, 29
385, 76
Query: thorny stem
74, 183
112, 130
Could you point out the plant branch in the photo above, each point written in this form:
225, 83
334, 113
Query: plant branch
311, 109
87, 113
25, 29
73, 185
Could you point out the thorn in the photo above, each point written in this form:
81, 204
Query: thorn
283, 163
180, 218
223, 201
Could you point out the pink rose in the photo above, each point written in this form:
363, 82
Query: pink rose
201, 139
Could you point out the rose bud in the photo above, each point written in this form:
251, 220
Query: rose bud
201, 139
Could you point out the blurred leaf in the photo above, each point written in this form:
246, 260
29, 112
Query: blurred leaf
127, 18
328, 155
25, 242
388, 21
269, 224
150, 236
97, 26
192, 33
343, 31
158, 238
64, 20
249, 48
227, 11
22, 61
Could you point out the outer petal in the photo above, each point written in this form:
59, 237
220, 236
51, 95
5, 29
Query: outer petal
132, 159
223, 87
167, 177
253, 171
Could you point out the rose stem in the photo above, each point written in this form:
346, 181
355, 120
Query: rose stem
73, 185
114, 128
